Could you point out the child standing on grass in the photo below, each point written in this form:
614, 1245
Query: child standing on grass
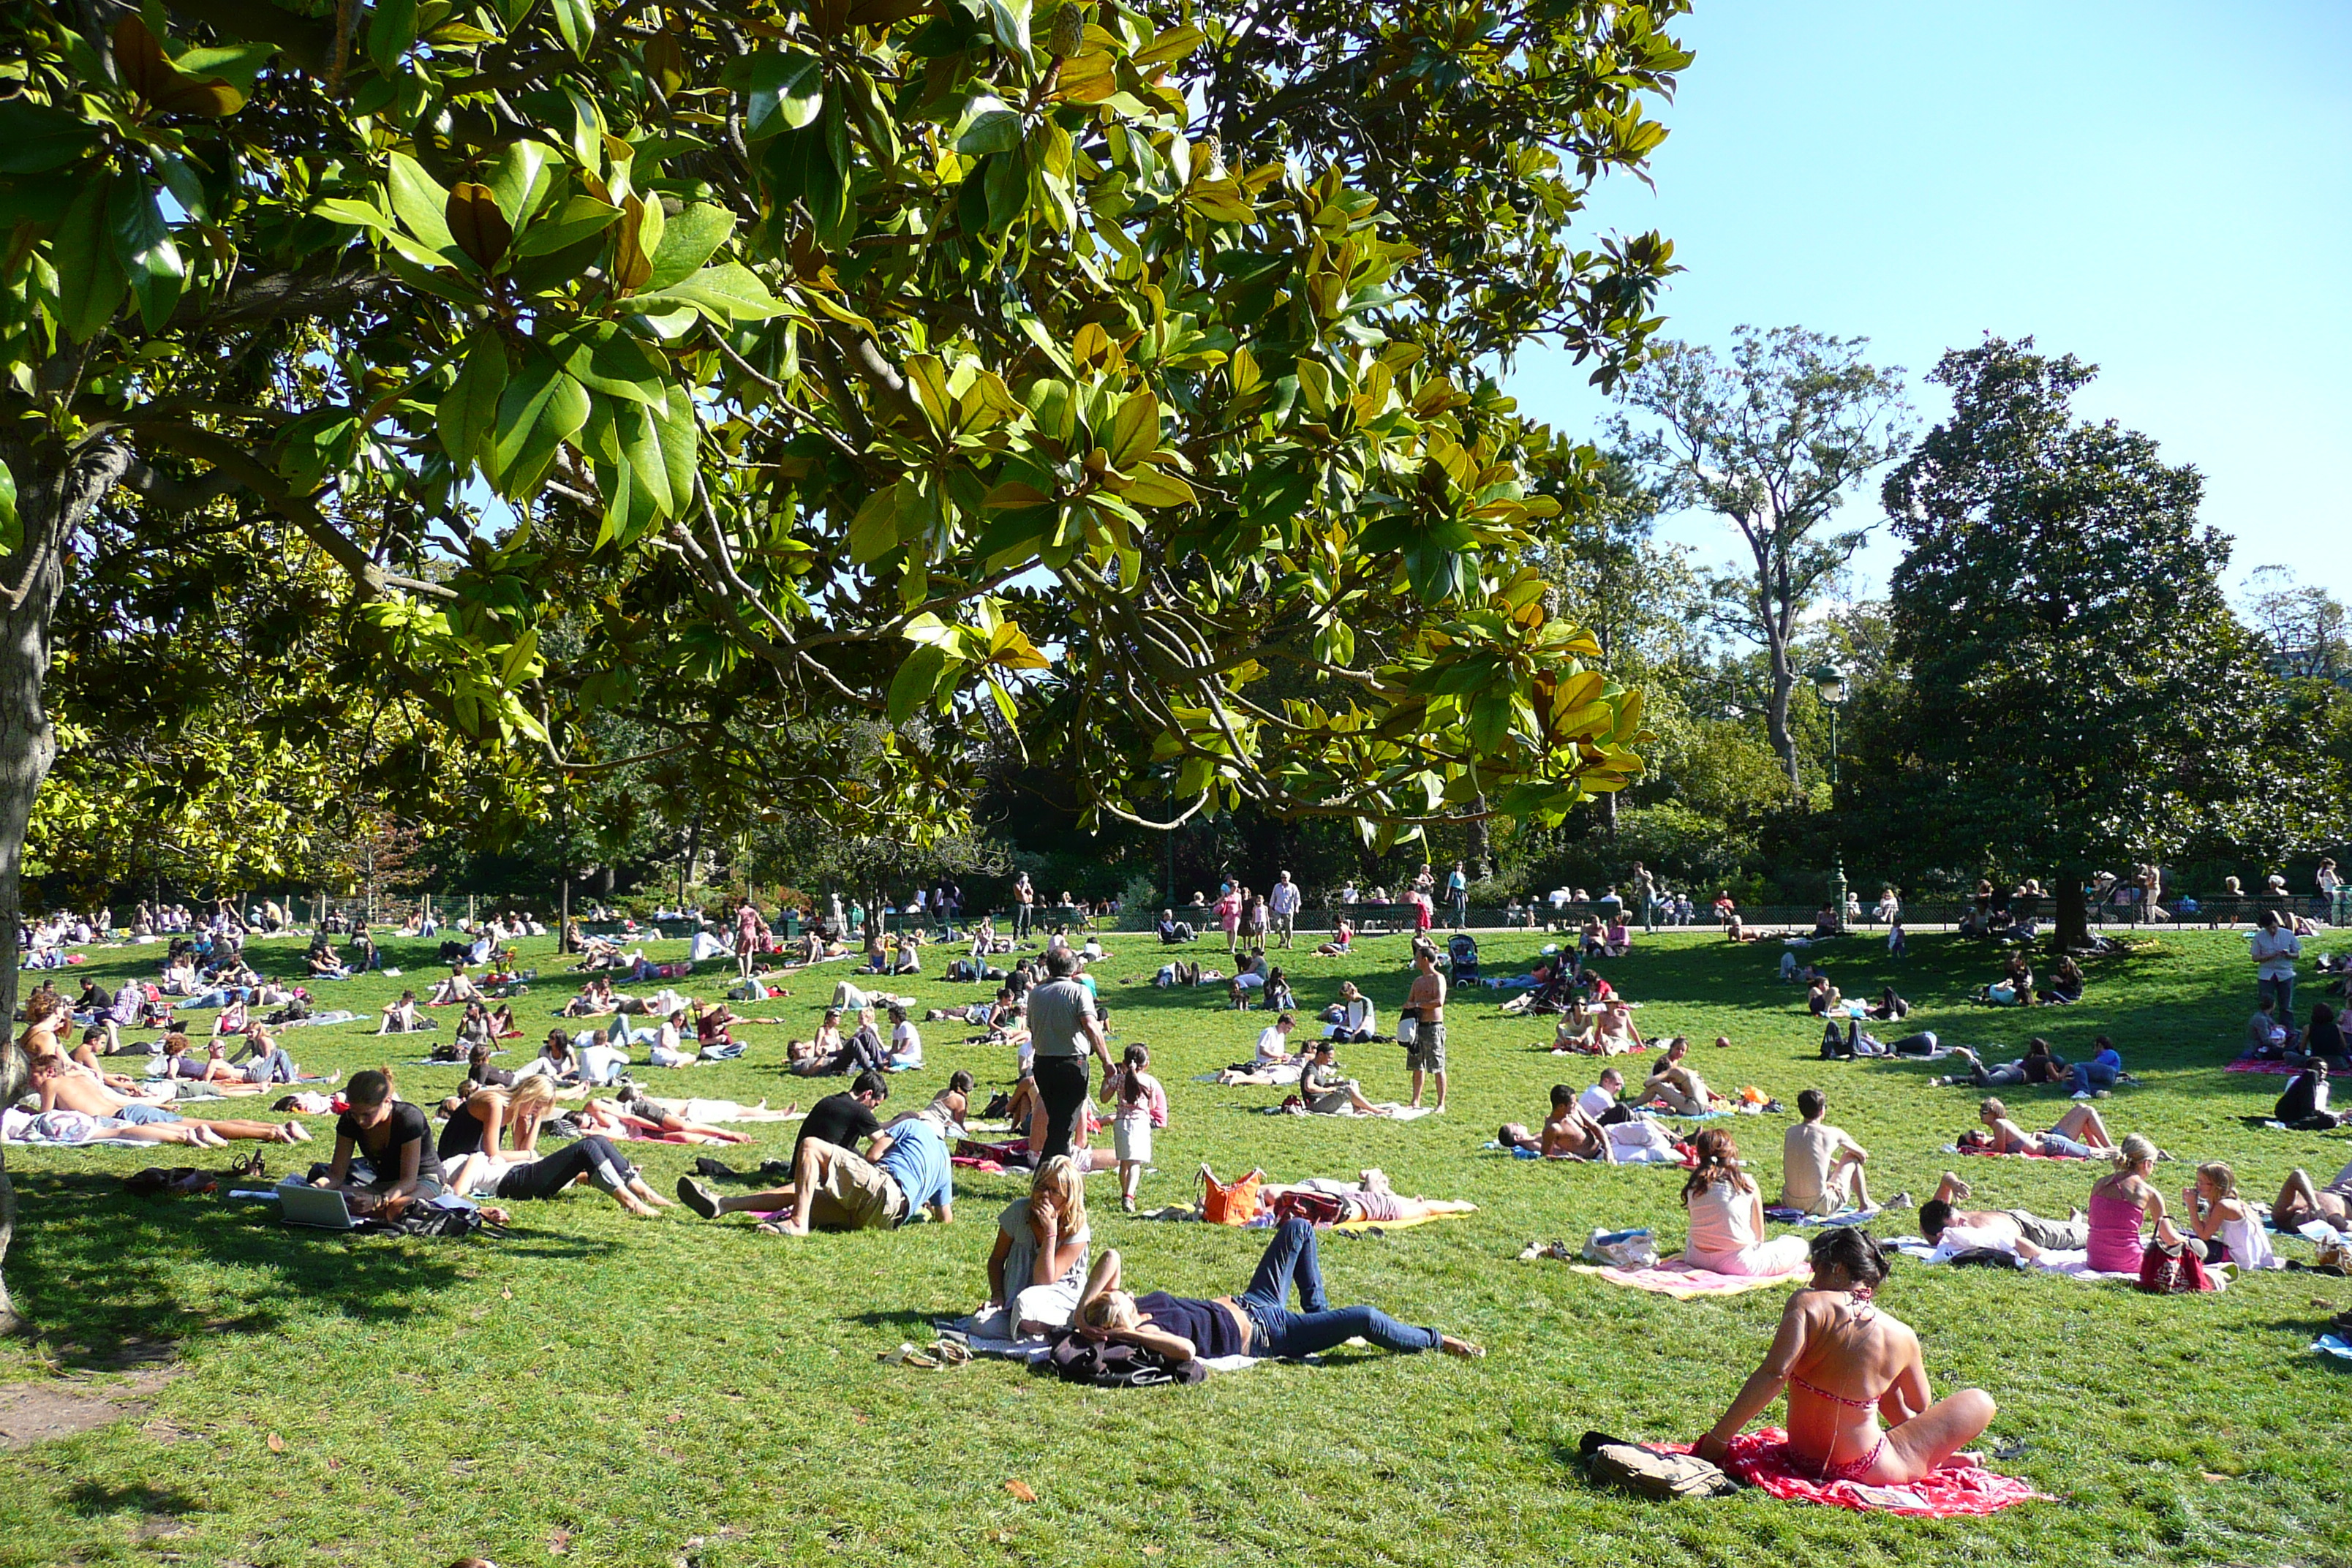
1895, 937
1142, 1106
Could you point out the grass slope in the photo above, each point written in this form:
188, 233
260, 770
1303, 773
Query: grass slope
637, 1393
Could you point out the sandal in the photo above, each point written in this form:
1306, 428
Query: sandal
952, 1352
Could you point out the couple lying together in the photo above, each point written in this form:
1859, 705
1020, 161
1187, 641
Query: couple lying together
1039, 1280
79, 1106
902, 1172
1596, 1126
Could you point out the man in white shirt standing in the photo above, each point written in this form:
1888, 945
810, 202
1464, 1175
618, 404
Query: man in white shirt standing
2275, 950
1282, 907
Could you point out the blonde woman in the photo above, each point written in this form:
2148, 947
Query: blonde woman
517, 1173
2122, 1203
1039, 1264
2229, 1225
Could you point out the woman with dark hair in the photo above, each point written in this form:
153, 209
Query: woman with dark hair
1726, 1215
2324, 1040
1845, 1365
391, 1135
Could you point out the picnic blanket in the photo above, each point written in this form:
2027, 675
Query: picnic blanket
1626, 1157
1673, 1277
2067, 1265
1036, 1347
1276, 1075
1657, 1107
2330, 1345
1763, 1460
339, 1016
1843, 1217
2279, 1068
1383, 1110
1265, 1221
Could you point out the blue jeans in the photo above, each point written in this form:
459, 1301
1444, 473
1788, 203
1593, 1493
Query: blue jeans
2281, 992
2089, 1075
1290, 1259
139, 1113
280, 1064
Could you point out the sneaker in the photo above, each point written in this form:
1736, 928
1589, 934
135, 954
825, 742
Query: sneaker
697, 1197
2081, 1094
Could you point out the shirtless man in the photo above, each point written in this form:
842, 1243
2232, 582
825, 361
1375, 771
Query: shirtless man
1574, 1133
2015, 1231
1673, 1082
2299, 1202
1617, 1033
63, 1090
2079, 1133
1427, 1053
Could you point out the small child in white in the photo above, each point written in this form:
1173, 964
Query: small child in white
1142, 1105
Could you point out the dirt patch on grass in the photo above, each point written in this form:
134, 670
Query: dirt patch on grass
60, 1406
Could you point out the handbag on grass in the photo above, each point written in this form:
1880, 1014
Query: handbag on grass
1237, 1204
2173, 1271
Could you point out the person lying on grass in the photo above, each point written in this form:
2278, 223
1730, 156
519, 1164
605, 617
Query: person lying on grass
638, 1115
2299, 1202
2018, 1232
1726, 1215
1258, 1321
179, 1063
2080, 1134
476, 1163
1038, 1266
903, 1171
1572, 1132
839, 1119
2038, 1065
1846, 1366
260, 1063
1369, 1197
61, 1090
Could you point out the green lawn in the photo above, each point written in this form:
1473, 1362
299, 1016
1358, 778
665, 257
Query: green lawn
613, 1391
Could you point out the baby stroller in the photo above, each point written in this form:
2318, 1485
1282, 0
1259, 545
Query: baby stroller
1462, 957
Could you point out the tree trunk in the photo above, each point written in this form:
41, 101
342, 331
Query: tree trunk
2070, 925
1776, 714
50, 508
1481, 840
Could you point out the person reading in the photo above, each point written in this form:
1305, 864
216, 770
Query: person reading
1860, 1406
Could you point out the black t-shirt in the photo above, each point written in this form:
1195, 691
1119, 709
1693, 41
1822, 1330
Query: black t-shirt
490, 1077
381, 1143
838, 1119
462, 1134
2044, 1070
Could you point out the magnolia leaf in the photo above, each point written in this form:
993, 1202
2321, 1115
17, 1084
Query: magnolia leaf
603, 358
1158, 487
90, 276
1089, 77
989, 127
469, 413
476, 223
358, 214
1008, 20
574, 219
687, 241
1170, 47
392, 31
726, 293
782, 91
420, 203
576, 20
520, 180
917, 679
35, 137
873, 532
1134, 430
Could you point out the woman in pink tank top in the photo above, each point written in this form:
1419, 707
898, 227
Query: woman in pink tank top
2122, 1203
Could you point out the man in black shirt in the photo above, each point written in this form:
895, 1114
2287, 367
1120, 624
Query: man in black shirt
844, 1120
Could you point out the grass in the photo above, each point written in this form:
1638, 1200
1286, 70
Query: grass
607, 1391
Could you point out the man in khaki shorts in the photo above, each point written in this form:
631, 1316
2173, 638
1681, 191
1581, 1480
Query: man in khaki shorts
904, 1169
1427, 1052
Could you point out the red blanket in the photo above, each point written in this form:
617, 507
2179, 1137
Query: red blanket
1761, 1459
2280, 1067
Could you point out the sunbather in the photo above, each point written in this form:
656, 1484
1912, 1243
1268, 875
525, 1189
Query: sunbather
516, 1173
1677, 1086
1820, 1166
2080, 1134
2016, 1231
1257, 1322
2299, 1202
64, 1088
1726, 1215
1369, 1197
1845, 1365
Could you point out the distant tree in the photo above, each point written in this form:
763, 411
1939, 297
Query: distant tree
1771, 438
2307, 629
2080, 693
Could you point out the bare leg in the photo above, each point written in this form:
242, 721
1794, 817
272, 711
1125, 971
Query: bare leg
1355, 1099
1861, 1184
2297, 1203
806, 1169
1415, 1100
2083, 1123
1935, 1434
259, 1131
1441, 1089
768, 1202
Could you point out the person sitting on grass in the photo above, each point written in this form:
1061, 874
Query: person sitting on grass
1325, 1092
1676, 1085
1617, 1035
63, 1089
1846, 1366
1572, 1131
260, 1061
1351, 1020
2065, 985
517, 1173
2122, 1203
840, 1119
2230, 1226
1820, 1166
388, 1138
2299, 1202
1342, 943
458, 989
1577, 1032
1258, 1322
2303, 1106
402, 1017
1726, 1215
1273, 1052
2080, 1134
1038, 1264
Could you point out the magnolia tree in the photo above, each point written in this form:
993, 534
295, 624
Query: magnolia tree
855, 361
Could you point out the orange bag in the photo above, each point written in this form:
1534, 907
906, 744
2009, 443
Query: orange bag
1237, 1204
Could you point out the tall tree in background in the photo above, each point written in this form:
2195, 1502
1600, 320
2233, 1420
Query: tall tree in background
1771, 437
2080, 693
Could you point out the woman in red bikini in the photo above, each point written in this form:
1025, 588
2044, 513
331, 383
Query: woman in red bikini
1846, 1365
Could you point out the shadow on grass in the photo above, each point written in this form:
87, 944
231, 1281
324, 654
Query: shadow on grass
901, 1320
93, 1500
112, 1280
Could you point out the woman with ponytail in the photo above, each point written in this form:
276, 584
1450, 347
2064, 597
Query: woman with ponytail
1846, 1365
2124, 1201
1726, 1215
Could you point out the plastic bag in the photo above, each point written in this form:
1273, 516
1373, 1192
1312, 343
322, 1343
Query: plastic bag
1622, 1248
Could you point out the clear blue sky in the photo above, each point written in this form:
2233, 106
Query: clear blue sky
2159, 188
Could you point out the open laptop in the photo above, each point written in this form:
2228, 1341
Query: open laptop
322, 1207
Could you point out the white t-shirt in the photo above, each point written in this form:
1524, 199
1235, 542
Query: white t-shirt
2275, 952
1272, 1046
1596, 1100
907, 1044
